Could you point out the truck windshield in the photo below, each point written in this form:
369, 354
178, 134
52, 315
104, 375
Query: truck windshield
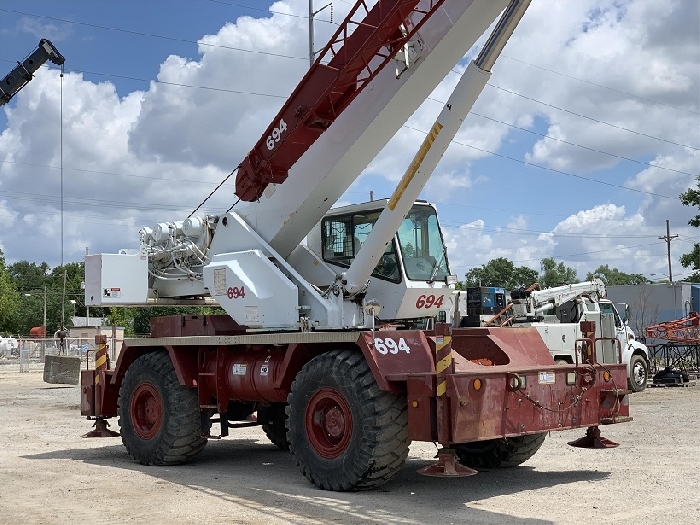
420, 241
609, 308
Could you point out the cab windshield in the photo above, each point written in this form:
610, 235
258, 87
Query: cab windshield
419, 241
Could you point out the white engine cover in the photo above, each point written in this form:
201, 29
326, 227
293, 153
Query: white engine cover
252, 290
116, 279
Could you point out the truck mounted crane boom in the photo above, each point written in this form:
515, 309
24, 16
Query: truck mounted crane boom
24, 71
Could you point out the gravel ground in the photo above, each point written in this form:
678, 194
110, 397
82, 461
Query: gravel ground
49, 475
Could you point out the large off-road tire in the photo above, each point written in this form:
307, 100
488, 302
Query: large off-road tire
274, 424
639, 370
499, 453
159, 418
344, 432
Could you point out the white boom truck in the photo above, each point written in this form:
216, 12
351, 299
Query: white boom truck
24, 71
557, 313
320, 338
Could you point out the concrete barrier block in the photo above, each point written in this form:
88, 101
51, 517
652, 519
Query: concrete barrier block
61, 369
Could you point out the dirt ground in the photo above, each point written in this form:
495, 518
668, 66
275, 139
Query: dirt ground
49, 474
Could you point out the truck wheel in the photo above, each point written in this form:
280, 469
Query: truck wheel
159, 418
344, 432
499, 453
274, 424
639, 369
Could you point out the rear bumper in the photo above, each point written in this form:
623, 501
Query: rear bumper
493, 403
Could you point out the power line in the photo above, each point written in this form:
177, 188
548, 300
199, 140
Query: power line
433, 99
522, 231
258, 9
149, 35
563, 257
544, 135
592, 119
82, 170
599, 85
165, 82
547, 168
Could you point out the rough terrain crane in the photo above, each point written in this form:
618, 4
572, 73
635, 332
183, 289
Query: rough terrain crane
24, 71
338, 342
557, 314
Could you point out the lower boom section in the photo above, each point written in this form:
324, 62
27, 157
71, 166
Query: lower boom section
348, 403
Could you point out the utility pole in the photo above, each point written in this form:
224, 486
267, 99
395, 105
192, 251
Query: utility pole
668, 238
87, 308
312, 15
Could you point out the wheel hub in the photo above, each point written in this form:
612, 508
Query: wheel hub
328, 423
146, 411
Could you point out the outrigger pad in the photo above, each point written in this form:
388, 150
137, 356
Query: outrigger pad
593, 439
447, 466
101, 430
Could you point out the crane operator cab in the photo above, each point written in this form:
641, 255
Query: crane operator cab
412, 275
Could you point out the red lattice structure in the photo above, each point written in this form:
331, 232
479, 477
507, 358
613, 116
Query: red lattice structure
684, 330
364, 43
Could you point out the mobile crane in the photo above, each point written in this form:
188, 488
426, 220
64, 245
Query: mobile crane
557, 313
328, 340
24, 71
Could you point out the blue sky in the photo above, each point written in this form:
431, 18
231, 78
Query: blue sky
577, 149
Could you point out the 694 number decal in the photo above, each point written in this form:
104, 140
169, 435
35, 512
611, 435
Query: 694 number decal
429, 301
387, 345
235, 292
274, 137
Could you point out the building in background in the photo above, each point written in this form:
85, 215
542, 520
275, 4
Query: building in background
656, 303
84, 330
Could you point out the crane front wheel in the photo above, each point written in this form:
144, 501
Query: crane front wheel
638, 370
344, 432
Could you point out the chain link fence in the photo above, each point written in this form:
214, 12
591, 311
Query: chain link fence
30, 353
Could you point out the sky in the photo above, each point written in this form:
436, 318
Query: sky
578, 149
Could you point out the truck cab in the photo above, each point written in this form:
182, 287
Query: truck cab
560, 337
634, 353
412, 275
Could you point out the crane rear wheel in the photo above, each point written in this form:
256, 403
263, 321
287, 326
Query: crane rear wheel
499, 453
159, 418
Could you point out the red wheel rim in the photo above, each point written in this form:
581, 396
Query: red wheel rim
146, 411
328, 423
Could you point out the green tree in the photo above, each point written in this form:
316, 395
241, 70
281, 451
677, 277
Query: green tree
501, 272
615, 276
691, 197
122, 316
9, 300
29, 276
554, 274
